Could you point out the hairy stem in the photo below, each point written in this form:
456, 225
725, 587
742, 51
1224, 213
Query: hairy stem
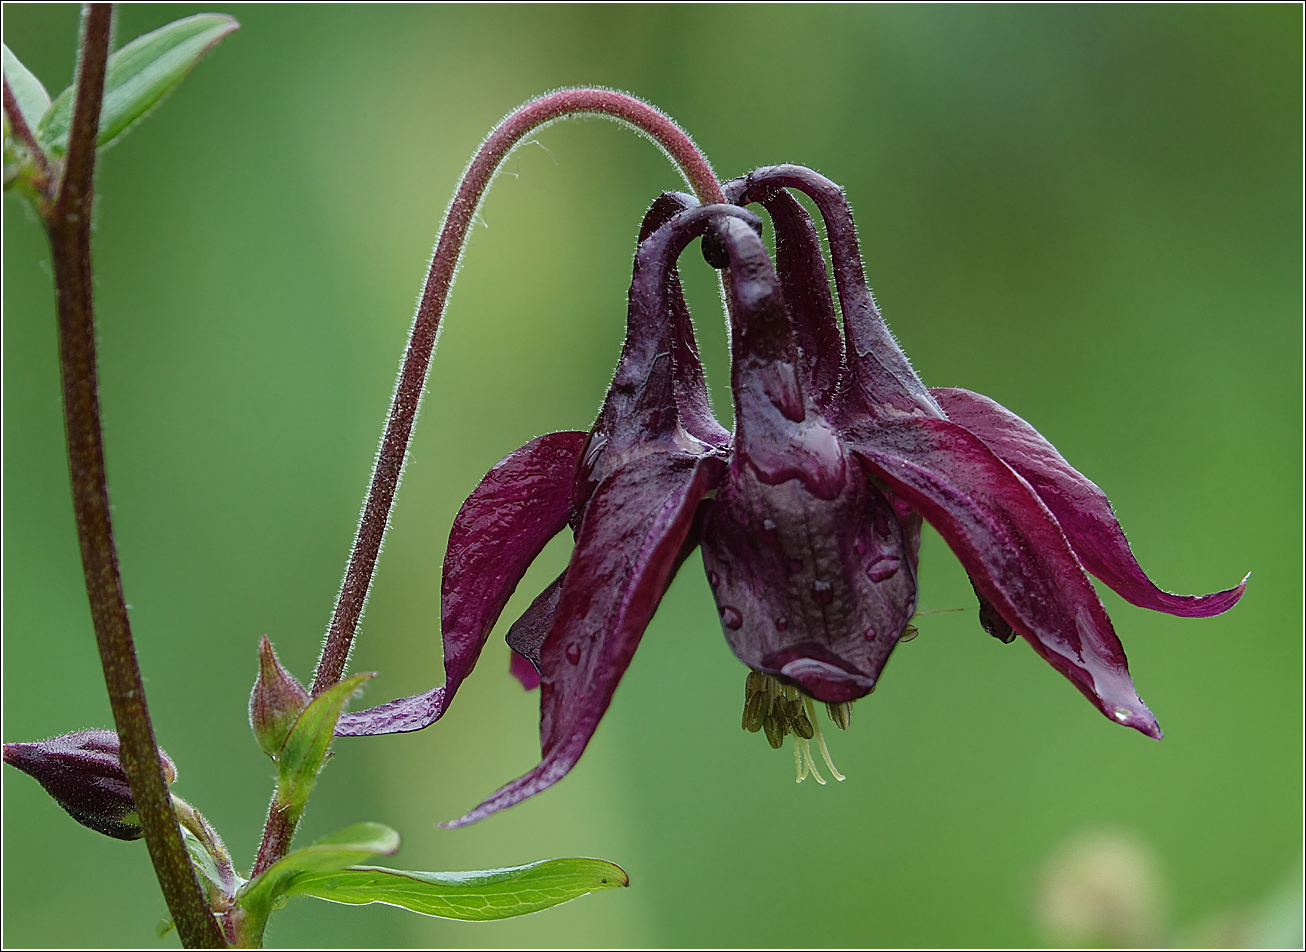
416, 362
68, 226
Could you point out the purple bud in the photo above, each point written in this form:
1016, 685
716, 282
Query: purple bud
276, 701
81, 771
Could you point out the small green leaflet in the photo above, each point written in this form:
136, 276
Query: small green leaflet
138, 76
304, 751
32, 98
472, 896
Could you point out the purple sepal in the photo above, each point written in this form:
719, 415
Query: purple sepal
629, 542
518, 507
1080, 507
1016, 555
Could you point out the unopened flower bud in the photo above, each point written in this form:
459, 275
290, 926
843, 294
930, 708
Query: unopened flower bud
276, 701
83, 774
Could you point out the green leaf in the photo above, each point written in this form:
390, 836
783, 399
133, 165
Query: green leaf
32, 98
304, 751
138, 76
343, 848
204, 863
472, 896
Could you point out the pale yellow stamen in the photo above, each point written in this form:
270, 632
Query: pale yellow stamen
808, 763
820, 739
782, 709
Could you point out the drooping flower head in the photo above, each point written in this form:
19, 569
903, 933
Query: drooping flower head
809, 516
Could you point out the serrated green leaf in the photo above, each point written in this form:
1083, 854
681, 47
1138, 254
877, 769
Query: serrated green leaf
471, 896
138, 76
32, 98
304, 751
343, 848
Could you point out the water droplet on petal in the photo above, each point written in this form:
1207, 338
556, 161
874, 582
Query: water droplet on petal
573, 654
908, 634
795, 566
713, 579
545, 689
769, 535
886, 566
782, 623
870, 634
730, 617
822, 592
1122, 714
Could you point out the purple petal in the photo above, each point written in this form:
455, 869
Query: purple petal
687, 369
1080, 507
778, 429
813, 590
628, 546
519, 506
806, 286
1014, 551
641, 403
806, 559
884, 377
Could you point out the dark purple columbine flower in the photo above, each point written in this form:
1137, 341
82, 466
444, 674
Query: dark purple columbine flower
809, 518
83, 774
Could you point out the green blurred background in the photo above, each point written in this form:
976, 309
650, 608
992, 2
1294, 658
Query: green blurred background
1090, 214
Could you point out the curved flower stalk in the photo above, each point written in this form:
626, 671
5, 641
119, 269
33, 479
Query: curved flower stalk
808, 517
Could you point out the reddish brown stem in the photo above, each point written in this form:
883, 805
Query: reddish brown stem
69, 228
390, 457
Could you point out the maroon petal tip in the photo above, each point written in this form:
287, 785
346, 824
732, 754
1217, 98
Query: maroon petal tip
522, 669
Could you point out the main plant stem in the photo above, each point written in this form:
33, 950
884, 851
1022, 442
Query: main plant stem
390, 457
69, 228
